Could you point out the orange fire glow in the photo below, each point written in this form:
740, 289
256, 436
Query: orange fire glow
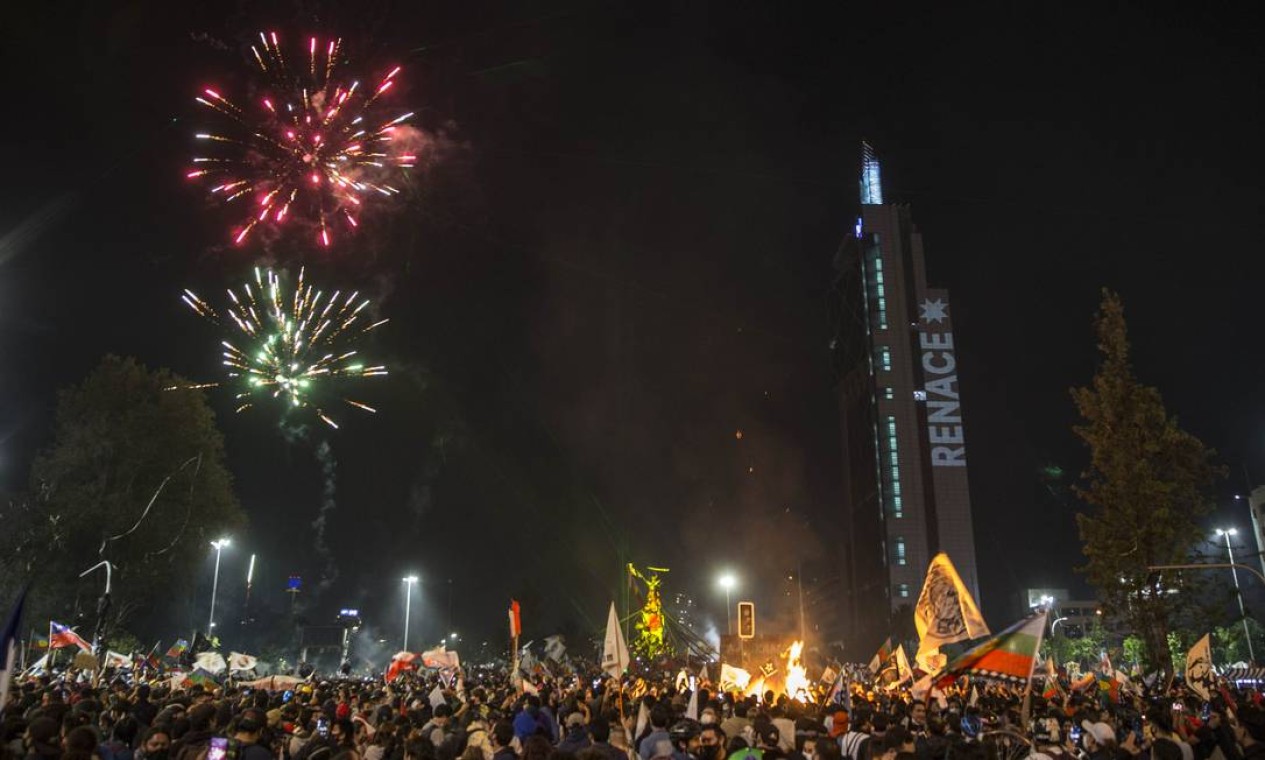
796, 677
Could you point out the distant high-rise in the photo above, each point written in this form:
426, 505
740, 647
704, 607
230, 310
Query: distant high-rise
904, 442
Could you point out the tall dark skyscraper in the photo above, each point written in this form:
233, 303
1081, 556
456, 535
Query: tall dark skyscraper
904, 444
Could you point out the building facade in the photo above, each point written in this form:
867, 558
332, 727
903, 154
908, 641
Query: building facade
904, 441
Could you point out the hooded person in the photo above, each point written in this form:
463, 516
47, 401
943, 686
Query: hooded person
577, 735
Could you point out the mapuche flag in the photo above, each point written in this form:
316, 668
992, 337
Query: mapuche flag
881, 657
177, 649
1010, 655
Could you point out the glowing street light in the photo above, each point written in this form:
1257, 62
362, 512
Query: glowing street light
408, 600
219, 545
728, 582
1238, 591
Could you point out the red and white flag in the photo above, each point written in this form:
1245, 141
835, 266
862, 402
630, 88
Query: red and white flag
516, 620
441, 658
401, 663
60, 637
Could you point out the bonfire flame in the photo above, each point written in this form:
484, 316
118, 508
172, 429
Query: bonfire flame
796, 677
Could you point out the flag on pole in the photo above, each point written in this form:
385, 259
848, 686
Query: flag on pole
516, 620
1104, 664
1052, 686
117, 660
1010, 655
151, 660
1084, 682
903, 671
733, 678
881, 657
39, 667
211, 662
177, 649
643, 717
61, 636
400, 663
946, 612
838, 689
554, 648
38, 643
440, 658
9, 648
930, 660
200, 677
614, 649
238, 661
1199, 676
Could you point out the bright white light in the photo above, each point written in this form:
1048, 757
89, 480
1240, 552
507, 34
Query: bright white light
727, 581
221, 543
410, 579
1230, 532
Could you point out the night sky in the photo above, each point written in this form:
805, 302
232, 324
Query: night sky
620, 256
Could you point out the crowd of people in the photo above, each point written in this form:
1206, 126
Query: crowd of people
584, 718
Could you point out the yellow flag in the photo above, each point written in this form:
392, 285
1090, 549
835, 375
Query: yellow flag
946, 611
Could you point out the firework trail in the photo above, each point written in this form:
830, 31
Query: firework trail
329, 573
292, 346
310, 145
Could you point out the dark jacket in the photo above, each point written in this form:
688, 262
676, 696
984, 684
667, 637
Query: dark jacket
576, 740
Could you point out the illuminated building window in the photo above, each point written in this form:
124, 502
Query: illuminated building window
885, 358
880, 293
888, 394
900, 551
902, 590
893, 468
920, 395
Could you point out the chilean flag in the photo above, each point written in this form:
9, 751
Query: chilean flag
516, 620
402, 662
60, 637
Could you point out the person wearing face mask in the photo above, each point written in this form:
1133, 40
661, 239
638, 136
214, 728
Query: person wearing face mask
711, 742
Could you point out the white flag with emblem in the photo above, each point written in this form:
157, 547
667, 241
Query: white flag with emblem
1199, 676
211, 662
946, 612
614, 651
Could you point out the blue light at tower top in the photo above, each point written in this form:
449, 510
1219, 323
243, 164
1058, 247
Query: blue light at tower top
871, 183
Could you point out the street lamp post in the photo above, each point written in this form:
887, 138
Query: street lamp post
1247, 634
408, 601
219, 545
727, 582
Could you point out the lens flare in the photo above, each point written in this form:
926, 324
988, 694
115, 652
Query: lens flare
302, 152
294, 346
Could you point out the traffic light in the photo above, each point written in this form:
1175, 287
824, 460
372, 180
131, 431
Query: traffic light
746, 620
